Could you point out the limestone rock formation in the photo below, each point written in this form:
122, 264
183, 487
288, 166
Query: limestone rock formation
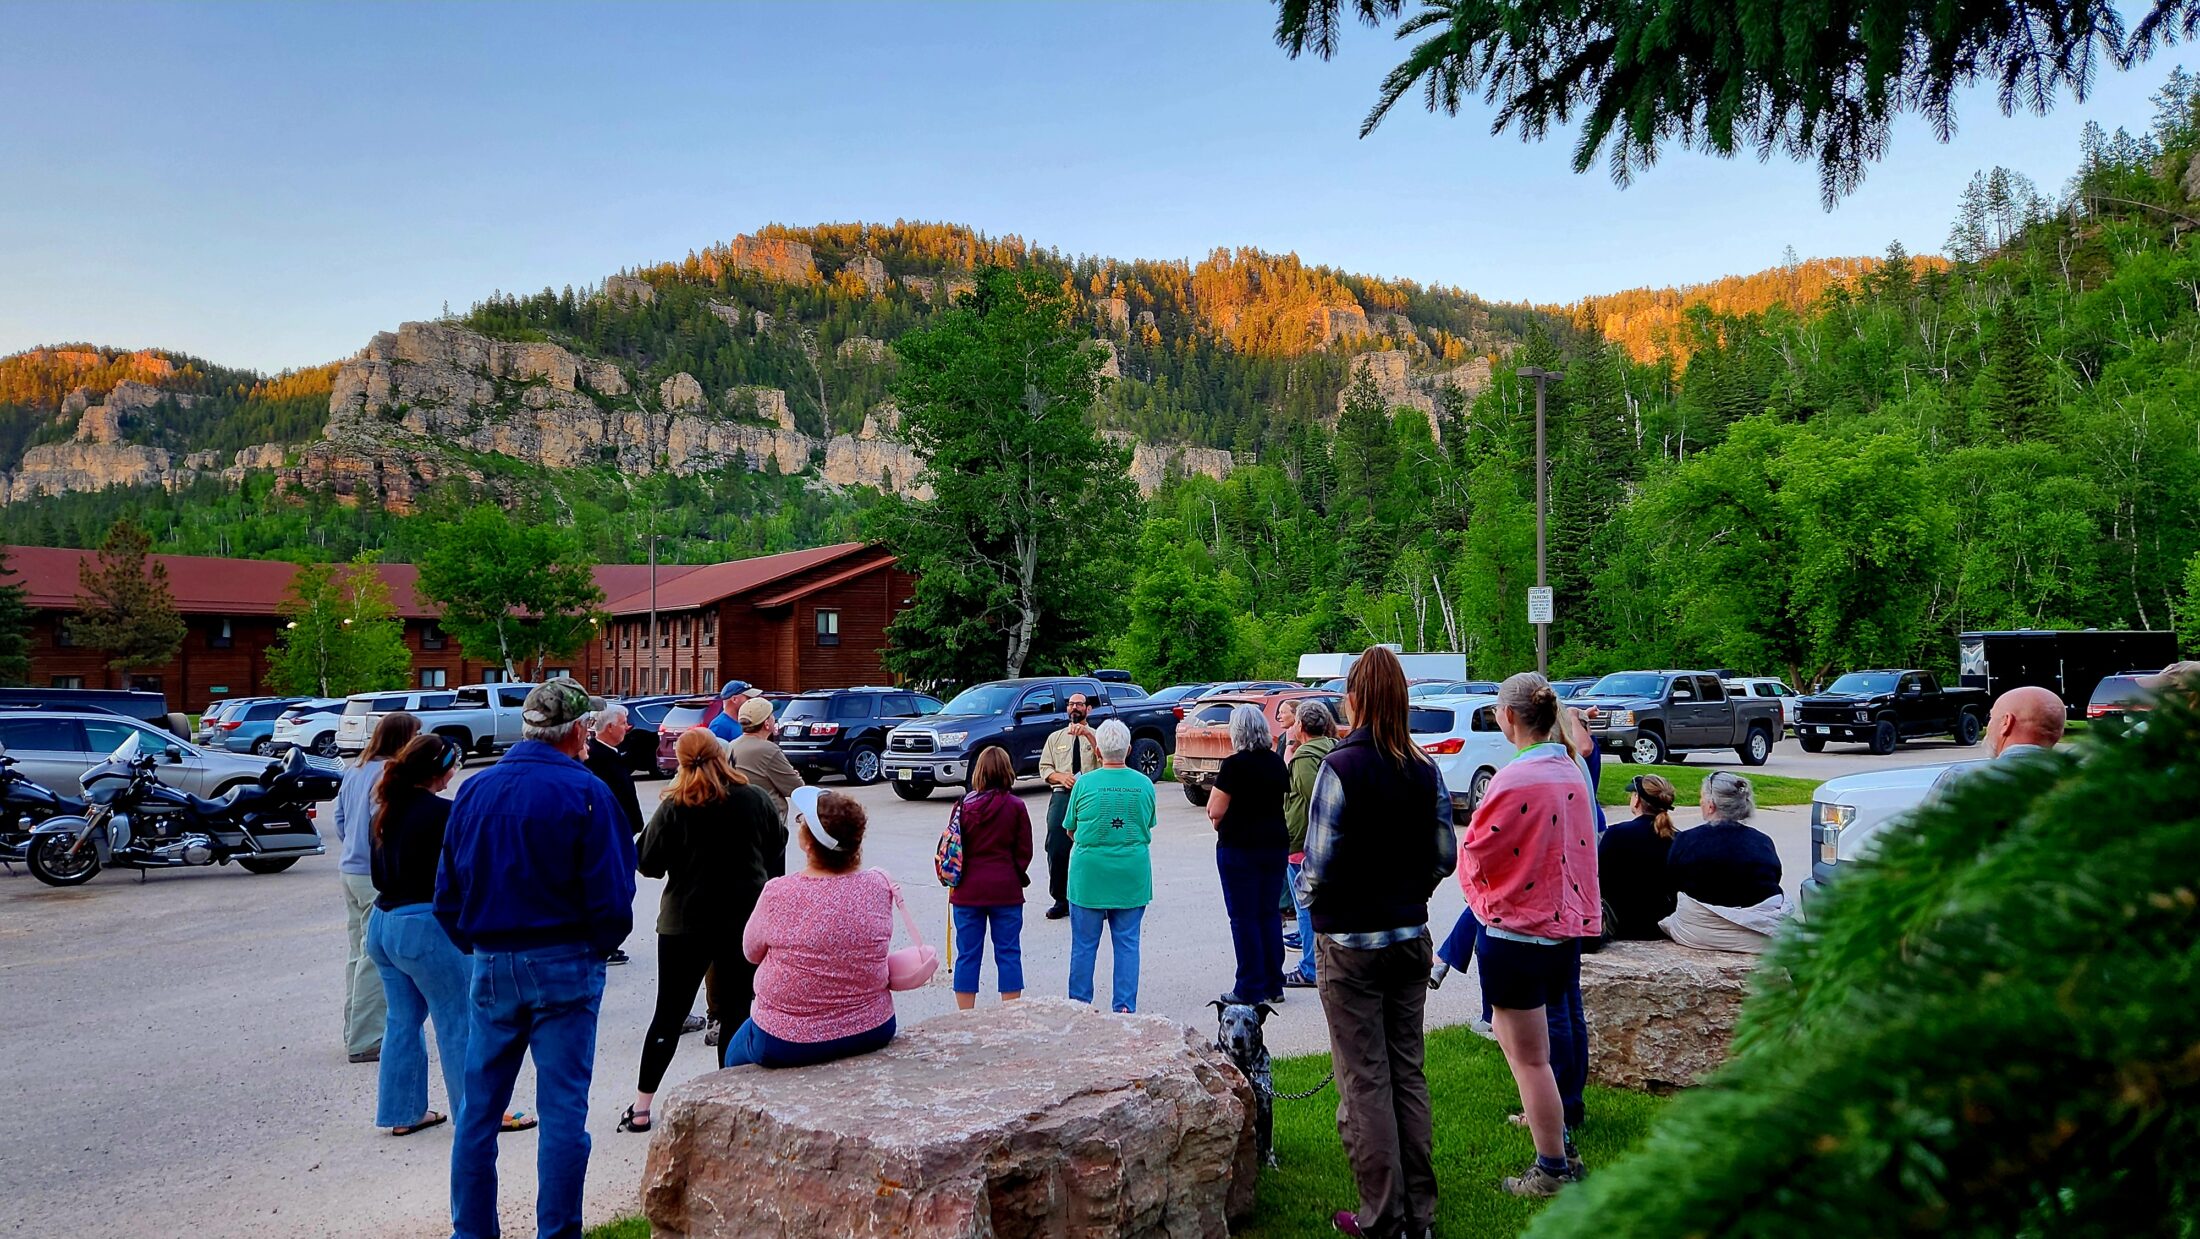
791, 262
1036, 1118
633, 288
1661, 1015
1145, 320
935, 287
730, 315
1115, 314
869, 270
1392, 370
2191, 183
1340, 323
770, 404
861, 348
63, 468
1112, 367
681, 394
1154, 463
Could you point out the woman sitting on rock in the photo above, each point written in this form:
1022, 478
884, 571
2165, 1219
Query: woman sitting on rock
1727, 874
819, 939
1631, 869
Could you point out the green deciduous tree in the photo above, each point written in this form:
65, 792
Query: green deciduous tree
1184, 618
125, 609
340, 635
519, 591
1021, 549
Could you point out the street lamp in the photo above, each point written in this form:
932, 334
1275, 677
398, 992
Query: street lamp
1542, 505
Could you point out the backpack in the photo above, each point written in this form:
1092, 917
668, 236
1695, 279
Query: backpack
947, 858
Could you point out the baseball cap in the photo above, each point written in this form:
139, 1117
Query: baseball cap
755, 712
733, 687
558, 702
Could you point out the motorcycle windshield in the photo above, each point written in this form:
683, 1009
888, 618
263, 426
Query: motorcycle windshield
118, 763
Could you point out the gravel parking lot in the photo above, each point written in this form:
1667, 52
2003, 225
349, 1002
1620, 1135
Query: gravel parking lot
174, 1063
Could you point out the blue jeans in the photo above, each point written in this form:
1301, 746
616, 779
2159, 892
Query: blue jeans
1252, 879
423, 976
545, 1001
1084, 951
750, 1044
1007, 923
1307, 967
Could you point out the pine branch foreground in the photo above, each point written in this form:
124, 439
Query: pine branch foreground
1813, 80
1989, 1030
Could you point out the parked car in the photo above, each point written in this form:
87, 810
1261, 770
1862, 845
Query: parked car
1018, 715
2121, 696
1567, 690
216, 711
250, 728
1885, 707
1773, 689
643, 714
1655, 716
843, 730
1849, 814
309, 725
362, 711
1203, 736
1459, 732
1451, 688
144, 707
1177, 694
54, 748
482, 719
1252, 688
682, 717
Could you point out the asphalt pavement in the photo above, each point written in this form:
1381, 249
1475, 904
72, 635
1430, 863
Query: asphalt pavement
174, 1062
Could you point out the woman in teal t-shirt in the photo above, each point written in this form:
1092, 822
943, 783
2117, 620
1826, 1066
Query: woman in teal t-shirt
1110, 825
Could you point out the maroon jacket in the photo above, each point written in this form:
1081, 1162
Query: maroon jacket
996, 850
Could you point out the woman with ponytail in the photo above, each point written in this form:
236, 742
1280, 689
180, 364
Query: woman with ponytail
1528, 864
715, 840
424, 975
1638, 892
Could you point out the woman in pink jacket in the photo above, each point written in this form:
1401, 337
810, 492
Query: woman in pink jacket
1528, 864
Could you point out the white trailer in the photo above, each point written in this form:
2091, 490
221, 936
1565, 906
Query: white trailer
1322, 667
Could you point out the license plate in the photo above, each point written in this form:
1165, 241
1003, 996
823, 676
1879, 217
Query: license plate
900, 772
1823, 731
795, 729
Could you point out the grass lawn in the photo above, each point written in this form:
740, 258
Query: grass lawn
1471, 1092
1771, 789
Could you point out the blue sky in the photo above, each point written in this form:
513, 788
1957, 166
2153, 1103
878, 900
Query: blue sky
268, 185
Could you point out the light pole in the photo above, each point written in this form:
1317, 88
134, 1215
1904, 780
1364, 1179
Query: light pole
653, 607
1542, 505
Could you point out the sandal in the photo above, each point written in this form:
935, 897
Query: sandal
428, 1120
516, 1120
629, 1121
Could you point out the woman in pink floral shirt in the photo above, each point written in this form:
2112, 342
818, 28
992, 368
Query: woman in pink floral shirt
819, 939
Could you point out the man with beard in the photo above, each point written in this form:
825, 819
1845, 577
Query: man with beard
1068, 753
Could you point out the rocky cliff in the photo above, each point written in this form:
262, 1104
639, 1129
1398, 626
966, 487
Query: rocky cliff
98, 456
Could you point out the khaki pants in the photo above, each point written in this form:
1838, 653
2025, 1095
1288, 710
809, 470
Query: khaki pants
364, 1014
1373, 1001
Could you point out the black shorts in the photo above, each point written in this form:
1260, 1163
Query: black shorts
1521, 976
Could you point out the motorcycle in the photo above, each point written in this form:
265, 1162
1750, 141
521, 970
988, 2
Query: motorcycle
23, 805
133, 820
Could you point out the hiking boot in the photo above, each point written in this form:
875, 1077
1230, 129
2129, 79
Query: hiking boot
1536, 1181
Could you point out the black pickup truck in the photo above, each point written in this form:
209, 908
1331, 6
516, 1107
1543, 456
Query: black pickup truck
1019, 715
1884, 708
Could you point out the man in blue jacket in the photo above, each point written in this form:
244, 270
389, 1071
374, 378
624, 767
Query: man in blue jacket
537, 884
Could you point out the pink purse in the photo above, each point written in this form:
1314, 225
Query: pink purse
911, 966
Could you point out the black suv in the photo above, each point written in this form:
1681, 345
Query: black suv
843, 730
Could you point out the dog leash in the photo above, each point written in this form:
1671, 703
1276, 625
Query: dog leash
1309, 1092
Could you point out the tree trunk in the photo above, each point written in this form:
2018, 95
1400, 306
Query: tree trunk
1027, 603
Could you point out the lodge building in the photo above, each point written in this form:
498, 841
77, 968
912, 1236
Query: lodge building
788, 622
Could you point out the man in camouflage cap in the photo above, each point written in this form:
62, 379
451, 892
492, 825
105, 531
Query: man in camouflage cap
537, 884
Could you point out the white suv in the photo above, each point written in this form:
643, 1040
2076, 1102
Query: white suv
363, 710
1459, 733
1768, 688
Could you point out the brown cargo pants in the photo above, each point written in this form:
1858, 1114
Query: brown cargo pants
1373, 1001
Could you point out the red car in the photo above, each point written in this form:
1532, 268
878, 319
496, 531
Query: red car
689, 713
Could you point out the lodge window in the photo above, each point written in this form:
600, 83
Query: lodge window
828, 627
709, 679
710, 629
431, 637
626, 679
434, 677
595, 681
145, 684
664, 679
664, 635
68, 681
684, 679
223, 637
494, 675
686, 633
626, 636
62, 637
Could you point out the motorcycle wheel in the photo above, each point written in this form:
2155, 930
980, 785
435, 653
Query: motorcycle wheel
266, 864
51, 862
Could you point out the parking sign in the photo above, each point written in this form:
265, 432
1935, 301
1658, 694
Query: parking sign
1539, 604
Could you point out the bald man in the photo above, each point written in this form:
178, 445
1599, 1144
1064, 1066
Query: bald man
2025, 720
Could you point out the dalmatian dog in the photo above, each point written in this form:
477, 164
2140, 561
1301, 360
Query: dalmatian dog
1238, 1034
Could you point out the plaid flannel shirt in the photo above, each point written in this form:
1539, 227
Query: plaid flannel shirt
1322, 816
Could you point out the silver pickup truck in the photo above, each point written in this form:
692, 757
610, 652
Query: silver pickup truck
482, 719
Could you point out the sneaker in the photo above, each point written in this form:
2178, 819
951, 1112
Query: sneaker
712, 1031
1346, 1222
367, 1056
1291, 942
693, 1023
1297, 980
1437, 974
1537, 1181
1057, 912
616, 957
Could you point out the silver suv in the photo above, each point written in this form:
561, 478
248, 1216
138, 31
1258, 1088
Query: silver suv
55, 747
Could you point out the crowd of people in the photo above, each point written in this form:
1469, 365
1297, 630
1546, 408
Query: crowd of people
492, 914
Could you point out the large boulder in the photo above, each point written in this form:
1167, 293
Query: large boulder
1038, 1117
1661, 1015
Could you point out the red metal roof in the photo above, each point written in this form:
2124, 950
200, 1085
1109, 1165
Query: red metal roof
848, 573
714, 582
204, 585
